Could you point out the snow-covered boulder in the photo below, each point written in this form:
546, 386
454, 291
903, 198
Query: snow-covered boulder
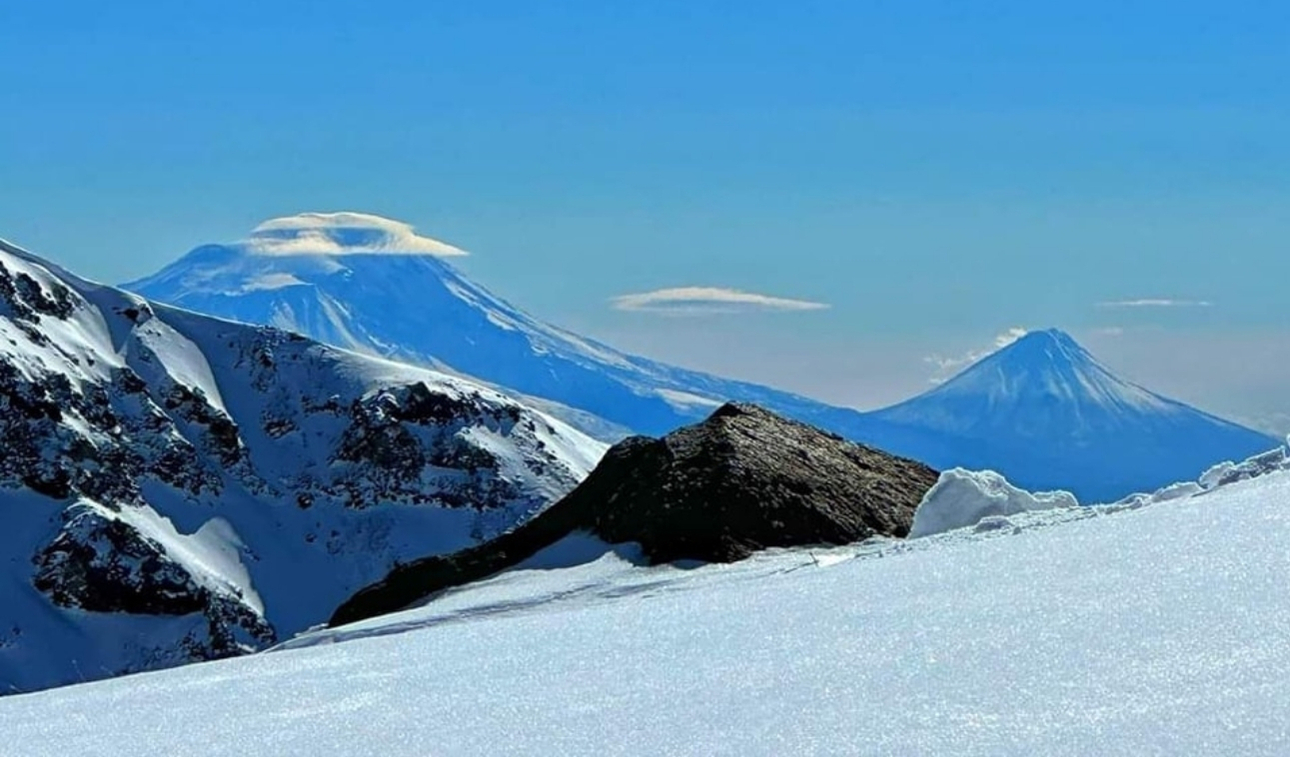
962, 498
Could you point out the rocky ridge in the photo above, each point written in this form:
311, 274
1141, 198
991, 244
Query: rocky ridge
743, 480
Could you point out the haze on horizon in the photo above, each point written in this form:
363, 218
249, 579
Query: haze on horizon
849, 202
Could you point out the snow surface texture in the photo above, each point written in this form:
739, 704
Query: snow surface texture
175, 487
963, 498
1043, 411
1157, 629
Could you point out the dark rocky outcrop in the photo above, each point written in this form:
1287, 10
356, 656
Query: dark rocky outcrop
101, 563
743, 480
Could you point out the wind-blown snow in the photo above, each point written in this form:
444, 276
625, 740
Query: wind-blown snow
1101, 630
962, 498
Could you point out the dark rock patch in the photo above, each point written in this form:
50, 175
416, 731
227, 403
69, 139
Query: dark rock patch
100, 563
743, 480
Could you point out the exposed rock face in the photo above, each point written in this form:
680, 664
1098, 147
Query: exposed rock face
101, 563
743, 480
179, 488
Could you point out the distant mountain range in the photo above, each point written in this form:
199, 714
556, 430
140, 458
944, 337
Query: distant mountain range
174, 487
1042, 411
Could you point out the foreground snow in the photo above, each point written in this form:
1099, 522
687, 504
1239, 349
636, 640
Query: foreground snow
1141, 628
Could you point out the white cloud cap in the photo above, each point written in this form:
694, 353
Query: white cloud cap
708, 300
342, 233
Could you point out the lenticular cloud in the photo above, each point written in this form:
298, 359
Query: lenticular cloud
700, 300
343, 233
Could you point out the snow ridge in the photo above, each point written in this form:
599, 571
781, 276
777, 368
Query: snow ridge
177, 487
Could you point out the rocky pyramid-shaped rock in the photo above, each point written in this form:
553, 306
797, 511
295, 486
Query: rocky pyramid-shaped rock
744, 479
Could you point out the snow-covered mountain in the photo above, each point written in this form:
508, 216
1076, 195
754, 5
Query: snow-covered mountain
1120, 630
1048, 415
175, 487
1042, 411
372, 285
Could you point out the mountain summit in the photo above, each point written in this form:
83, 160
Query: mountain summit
373, 285
1047, 413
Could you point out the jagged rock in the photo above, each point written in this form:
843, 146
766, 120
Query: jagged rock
743, 480
101, 563
217, 485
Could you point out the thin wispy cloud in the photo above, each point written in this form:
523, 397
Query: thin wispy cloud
708, 301
1155, 302
947, 366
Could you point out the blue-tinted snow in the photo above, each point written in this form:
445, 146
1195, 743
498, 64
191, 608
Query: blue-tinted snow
1132, 629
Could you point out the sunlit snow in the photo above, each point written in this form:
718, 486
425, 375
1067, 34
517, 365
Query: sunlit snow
1157, 629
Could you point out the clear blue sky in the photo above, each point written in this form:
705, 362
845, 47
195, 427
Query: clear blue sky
936, 172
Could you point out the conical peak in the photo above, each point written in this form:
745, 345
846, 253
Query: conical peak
1051, 337
1048, 346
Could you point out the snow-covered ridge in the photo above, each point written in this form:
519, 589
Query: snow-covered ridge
177, 487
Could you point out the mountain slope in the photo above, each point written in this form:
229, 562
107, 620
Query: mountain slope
1050, 416
175, 487
1043, 411
1110, 631
347, 279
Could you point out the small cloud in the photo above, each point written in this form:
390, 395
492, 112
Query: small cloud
1110, 331
707, 301
946, 366
1159, 302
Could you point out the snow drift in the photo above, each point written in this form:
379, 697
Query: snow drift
962, 498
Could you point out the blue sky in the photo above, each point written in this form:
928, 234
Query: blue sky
934, 172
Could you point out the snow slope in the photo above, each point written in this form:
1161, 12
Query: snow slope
176, 487
1129, 629
1042, 411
